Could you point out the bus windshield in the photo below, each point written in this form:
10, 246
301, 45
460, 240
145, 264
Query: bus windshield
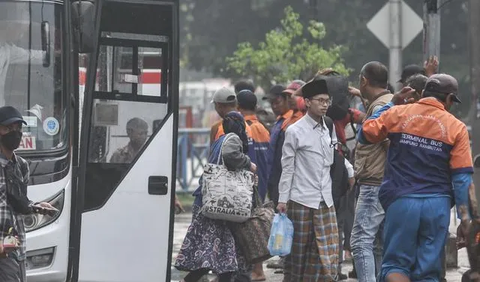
31, 71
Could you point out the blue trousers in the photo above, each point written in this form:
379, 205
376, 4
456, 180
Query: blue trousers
366, 238
415, 231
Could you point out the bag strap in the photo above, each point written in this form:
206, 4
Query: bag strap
329, 123
256, 195
220, 155
353, 127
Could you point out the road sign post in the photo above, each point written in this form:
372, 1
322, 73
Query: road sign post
395, 56
431, 31
395, 25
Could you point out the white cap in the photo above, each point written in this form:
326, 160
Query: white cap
224, 96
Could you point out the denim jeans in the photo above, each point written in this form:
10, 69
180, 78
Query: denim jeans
366, 241
416, 228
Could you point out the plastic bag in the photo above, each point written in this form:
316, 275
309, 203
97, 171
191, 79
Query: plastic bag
281, 236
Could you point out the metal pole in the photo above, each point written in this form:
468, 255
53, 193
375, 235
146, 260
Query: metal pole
431, 29
474, 38
395, 62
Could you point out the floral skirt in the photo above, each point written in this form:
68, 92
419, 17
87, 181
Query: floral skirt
210, 244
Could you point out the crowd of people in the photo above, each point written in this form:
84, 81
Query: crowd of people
389, 211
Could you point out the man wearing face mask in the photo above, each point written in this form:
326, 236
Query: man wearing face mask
14, 202
429, 162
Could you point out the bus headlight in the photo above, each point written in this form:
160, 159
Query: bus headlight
36, 221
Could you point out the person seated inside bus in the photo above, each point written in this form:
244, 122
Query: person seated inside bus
137, 130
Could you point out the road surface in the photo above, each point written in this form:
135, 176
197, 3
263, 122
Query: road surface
182, 222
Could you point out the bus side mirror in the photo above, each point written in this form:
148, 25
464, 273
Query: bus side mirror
83, 16
46, 43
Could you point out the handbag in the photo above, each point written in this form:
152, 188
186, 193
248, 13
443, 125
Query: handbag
227, 195
252, 235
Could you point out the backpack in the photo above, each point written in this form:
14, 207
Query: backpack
338, 88
338, 170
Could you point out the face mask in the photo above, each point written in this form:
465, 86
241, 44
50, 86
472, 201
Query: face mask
11, 140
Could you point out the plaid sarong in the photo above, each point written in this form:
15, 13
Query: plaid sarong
314, 255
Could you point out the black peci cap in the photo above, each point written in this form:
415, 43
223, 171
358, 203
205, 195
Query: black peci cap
316, 86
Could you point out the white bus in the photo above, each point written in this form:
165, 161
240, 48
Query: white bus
116, 218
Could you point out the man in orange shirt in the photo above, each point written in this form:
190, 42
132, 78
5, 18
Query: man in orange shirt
247, 104
260, 137
264, 117
280, 100
429, 164
297, 104
225, 101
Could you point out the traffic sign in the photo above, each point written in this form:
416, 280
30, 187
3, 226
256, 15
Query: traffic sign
412, 25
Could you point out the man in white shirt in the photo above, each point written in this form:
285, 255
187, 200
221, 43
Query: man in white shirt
306, 189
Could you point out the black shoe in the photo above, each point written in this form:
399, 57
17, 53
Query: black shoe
276, 264
352, 274
341, 277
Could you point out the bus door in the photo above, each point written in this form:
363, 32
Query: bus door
127, 180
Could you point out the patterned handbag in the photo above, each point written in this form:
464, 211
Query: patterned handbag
252, 236
227, 195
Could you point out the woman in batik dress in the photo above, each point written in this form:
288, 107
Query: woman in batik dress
209, 244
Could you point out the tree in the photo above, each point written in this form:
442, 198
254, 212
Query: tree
216, 27
186, 12
287, 54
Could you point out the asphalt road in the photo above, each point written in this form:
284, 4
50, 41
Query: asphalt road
182, 222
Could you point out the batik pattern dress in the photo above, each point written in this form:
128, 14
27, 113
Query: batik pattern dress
209, 244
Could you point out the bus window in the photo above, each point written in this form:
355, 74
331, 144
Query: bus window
150, 62
121, 129
131, 70
137, 130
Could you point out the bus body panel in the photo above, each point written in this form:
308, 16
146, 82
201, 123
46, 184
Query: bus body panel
54, 235
128, 237
123, 243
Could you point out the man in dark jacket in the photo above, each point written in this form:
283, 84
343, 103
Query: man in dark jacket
14, 171
281, 106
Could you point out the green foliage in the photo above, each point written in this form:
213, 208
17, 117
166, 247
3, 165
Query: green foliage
186, 11
287, 54
210, 31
